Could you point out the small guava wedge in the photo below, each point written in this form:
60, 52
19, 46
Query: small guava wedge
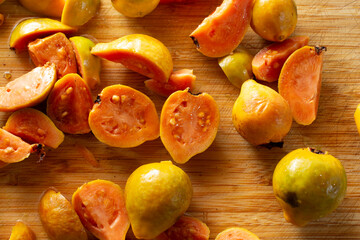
300, 83
236, 233
22, 232
29, 89
50, 8
221, 32
140, 53
89, 65
33, 28
268, 62
179, 80
33, 126
78, 12
55, 49
186, 227
12, 148
59, 218
100, 205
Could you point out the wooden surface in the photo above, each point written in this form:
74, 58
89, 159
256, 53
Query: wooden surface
232, 179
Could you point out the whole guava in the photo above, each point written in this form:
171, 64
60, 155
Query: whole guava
156, 195
309, 184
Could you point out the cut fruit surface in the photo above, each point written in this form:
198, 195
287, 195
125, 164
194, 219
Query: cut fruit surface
268, 62
55, 49
29, 89
221, 32
12, 148
186, 227
300, 83
236, 233
69, 104
124, 117
179, 80
34, 126
100, 205
188, 124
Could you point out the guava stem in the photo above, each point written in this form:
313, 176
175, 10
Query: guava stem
313, 150
320, 49
195, 42
98, 99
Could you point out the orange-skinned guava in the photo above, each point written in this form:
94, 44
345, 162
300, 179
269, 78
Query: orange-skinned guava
186, 227
300, 83
260, 114
123, 117
59, 218
33, 28
135, 8
29, 89
69, 104
22, 232
156, 195
268, 62
100, 205
55, 49
140, 53
221, 32
33, 126
88, 64
274, 20
188, 124
12, 148
309, 184
236, 233
50, 8
179, 80
78, 12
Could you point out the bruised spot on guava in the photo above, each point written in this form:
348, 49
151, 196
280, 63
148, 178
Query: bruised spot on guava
291, 198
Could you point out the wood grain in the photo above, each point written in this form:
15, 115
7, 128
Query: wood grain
232, 180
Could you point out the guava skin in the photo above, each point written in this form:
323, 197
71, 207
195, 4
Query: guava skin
156, 195
309, 184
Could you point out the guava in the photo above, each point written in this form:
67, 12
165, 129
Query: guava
156, 195
309, 184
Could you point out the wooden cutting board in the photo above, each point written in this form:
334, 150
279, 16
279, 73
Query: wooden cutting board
232, 179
